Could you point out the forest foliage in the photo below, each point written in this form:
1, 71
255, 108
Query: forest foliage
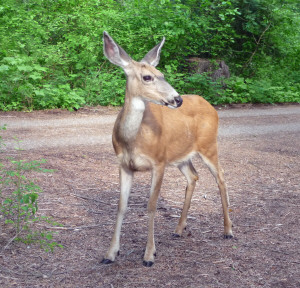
51, 51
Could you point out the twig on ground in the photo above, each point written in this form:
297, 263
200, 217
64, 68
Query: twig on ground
89, 199
11, 240
74, 228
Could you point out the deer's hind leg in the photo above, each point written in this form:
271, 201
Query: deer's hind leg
188, 170
210, 158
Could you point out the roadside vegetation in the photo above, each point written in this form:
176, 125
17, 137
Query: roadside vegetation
19, 217
51, 51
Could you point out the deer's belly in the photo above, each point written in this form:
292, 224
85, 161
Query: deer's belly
135, 162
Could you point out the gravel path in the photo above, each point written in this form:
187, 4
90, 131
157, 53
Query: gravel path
78, 129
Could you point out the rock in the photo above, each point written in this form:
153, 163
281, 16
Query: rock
216, 68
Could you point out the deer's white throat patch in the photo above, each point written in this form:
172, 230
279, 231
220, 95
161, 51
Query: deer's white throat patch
138, 104
133, 119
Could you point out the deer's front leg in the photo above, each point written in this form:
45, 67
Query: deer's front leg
157, 176
125, 183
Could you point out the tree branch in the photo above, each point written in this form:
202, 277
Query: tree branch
257, 45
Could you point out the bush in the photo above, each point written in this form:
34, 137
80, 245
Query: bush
51, 51
19, 202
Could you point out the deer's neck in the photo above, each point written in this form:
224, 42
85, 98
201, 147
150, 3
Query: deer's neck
134, 109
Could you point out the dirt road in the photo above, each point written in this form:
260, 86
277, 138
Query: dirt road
259, 151
80, 129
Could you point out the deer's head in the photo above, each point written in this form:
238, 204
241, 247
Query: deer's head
143, 79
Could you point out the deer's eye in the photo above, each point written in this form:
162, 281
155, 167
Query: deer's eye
147, 78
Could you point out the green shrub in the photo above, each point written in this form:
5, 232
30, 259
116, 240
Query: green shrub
51, 51
19, 202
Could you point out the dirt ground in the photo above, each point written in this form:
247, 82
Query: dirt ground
259, 151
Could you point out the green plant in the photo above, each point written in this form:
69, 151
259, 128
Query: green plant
262, 89
51, 51
19, 202
2, 144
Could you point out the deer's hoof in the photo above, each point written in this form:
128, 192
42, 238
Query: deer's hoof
148, 263
228, 236
107, 261
175, 235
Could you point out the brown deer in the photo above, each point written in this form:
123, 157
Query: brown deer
148, 135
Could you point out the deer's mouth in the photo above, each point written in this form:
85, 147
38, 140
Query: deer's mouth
169, 105
177, 102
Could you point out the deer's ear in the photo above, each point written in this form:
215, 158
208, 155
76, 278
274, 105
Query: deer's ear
115, 53
153, 56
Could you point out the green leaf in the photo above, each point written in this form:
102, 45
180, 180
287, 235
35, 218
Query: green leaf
35, 76
25, 68
4, 68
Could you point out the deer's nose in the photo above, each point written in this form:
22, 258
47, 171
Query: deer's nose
178, 101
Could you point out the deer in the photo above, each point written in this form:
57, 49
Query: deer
158, 127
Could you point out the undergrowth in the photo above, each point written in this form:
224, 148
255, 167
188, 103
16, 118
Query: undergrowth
51, 52
19, 201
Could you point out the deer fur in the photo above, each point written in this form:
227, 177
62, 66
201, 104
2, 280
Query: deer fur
149, 135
